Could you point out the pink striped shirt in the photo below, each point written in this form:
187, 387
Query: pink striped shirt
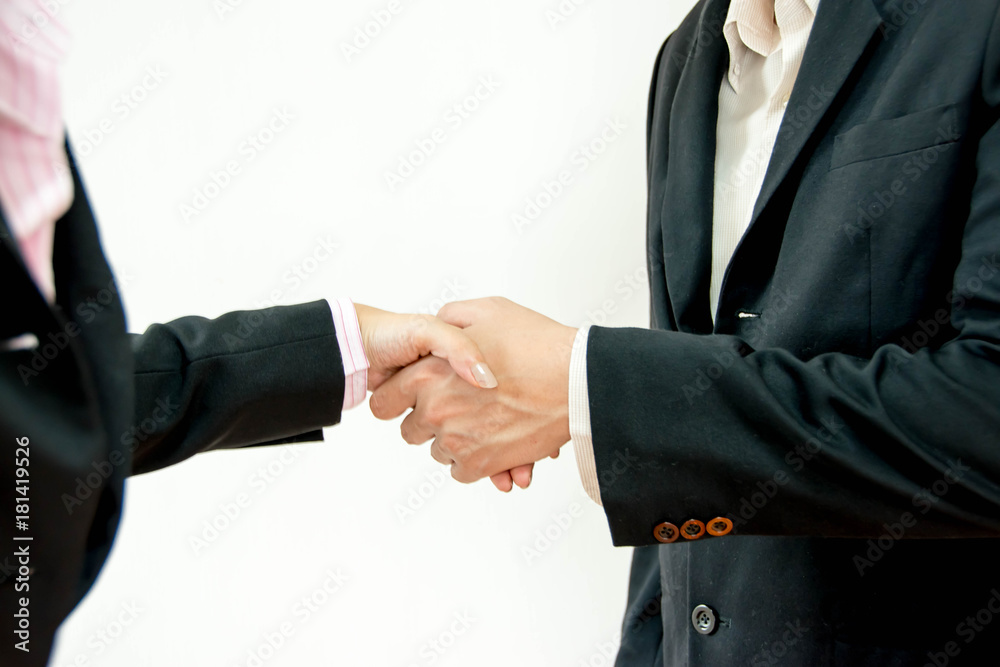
36, 187
35, 183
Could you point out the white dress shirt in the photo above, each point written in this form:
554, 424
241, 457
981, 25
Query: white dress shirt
767, 39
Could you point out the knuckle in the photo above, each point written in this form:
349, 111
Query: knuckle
460, 473
433, 414
417, 331
454, 447
412, 430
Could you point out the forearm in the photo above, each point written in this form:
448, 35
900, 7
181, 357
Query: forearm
836, 446
245, 378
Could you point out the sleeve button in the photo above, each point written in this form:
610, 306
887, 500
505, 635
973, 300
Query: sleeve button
666, 533
719, 526
692, 529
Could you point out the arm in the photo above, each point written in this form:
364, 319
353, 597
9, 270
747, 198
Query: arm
836, 445
270, 376
246, 378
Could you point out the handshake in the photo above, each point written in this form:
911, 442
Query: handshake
487, 381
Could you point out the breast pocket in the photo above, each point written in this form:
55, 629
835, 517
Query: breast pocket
896, 136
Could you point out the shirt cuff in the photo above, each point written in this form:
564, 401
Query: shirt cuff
352, 352
579, 416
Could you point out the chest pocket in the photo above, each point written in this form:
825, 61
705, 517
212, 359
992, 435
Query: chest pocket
896, 136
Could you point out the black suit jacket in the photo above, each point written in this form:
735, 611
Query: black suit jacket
843, 410
91, 405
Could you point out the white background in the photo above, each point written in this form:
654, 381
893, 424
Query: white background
446, 231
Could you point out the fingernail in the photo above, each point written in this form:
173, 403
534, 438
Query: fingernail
484, 376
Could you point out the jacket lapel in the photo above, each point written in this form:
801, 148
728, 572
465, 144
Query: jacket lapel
687, 207
841, 33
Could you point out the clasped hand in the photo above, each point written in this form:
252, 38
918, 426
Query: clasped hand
481, 424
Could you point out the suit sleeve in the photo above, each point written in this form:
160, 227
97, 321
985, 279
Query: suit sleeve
259, 377
903, 443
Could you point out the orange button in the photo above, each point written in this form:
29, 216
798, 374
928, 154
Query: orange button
693, 529
666, 533
719, 526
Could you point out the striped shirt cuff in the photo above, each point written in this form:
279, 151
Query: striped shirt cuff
352, 352
579, 416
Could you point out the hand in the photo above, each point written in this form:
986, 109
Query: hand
486, 433
393, 341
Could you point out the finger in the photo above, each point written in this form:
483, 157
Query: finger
462, 475
451, 343
521, 475
414, 430
399, 392
460, 314
377, 377
503, 481
441, 456
554, 455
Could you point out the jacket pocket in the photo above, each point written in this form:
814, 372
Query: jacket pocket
896, 136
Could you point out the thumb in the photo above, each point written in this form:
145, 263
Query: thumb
452, 344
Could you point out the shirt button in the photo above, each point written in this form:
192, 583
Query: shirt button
666, 533
737, 69
693, 529
784, 101
703, 620
719, 526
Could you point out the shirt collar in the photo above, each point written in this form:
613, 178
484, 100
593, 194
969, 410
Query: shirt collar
756, 25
